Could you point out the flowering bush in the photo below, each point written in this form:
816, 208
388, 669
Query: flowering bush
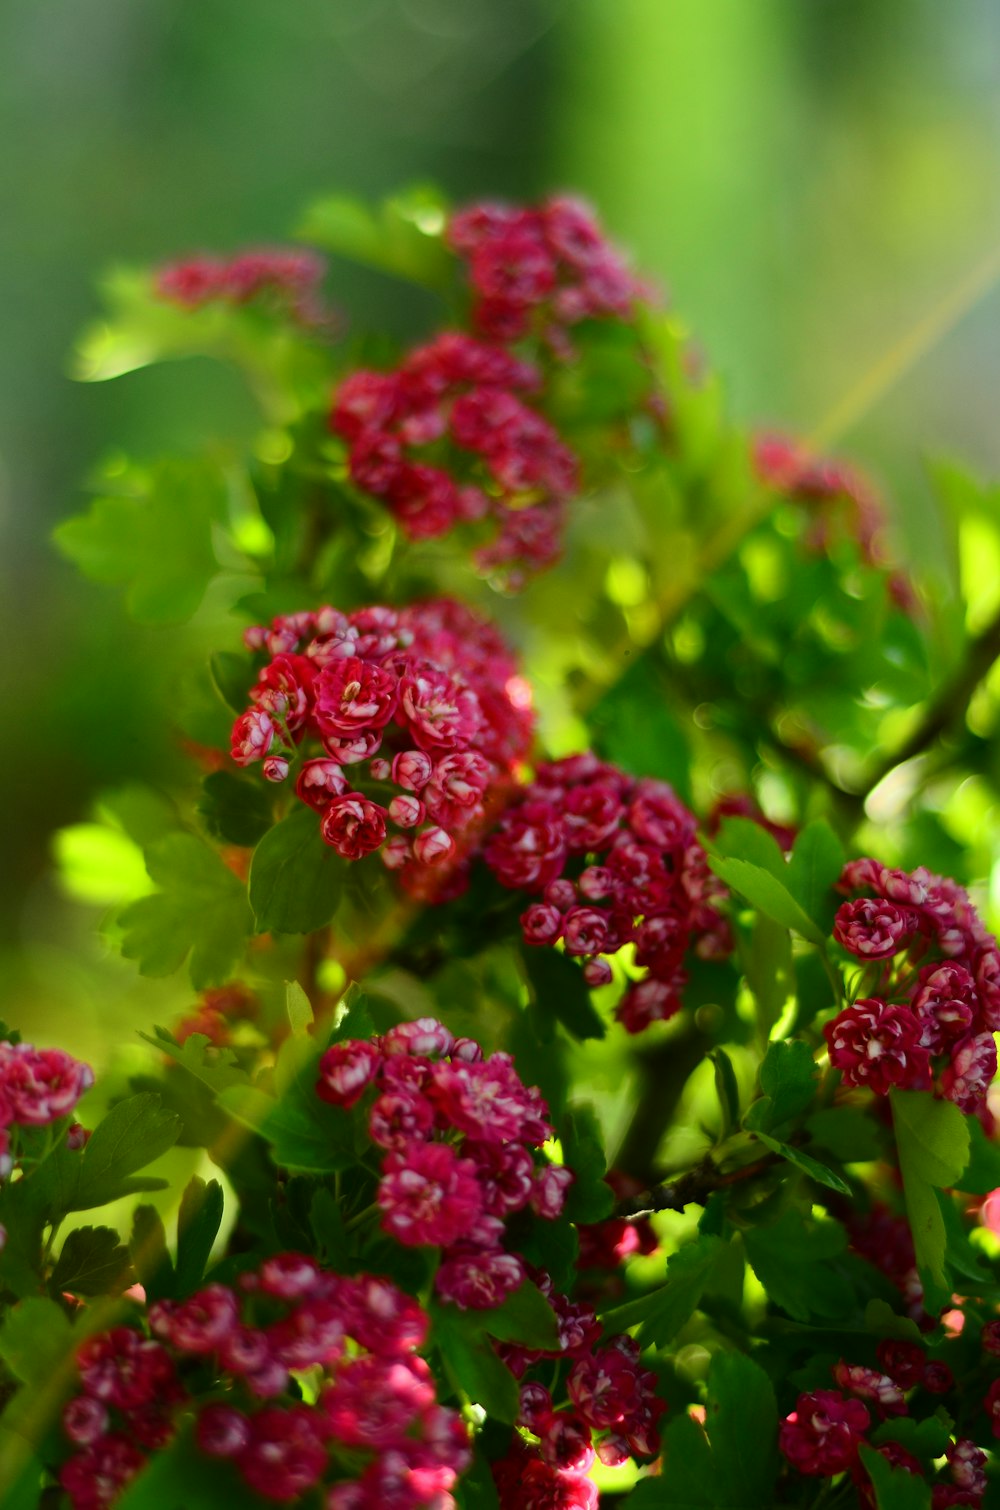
568, 915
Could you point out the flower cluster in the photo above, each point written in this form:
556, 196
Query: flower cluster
821, 1437
217, 1010
411, 718
536, 270
614, 861
375, 1434
611, 1414
289, 277
504, 460
459, 1134
37, 1086
821, 483
932, 984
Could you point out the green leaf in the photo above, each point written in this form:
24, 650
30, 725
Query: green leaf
561, 991
661, 1313
589, 1198
473, 1366
927, 1439
148, 1246
93, 1261
791, 1258
295, 879
634, 728
234, 809
158, 543
733, 1463
525, 1316
788, 1078
35, 1338
233, 675
932, 1139
742, 1425
743, 839
768, 894
180, 1477
850, 1135
810, 1166
767, 965
132, 1135
198, 1221
306, 1135
982, 1173
726, 1089
403, 237
881, 1319
298, 1008
687, 1480
895, 1489
200, 909
327, 1220
813, 870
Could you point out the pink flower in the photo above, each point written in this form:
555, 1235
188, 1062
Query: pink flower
412, 770
439, 712
38, 1086
902, 1361
347, 1069
429, 1196
877, 1045
552, 1184
353, 697
421, 1036
399, 1118
585, 930
874, 929
252, 737
353, 826
286, 1454
433, 846
222, 1432
945, 1004
969, 1075
991, 1405
478, 1281
319, 781
284, 689
565, 1443
822, 1434
884, 1393
488, 1101
373, 1400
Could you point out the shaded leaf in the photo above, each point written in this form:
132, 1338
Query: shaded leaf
661, 1313
93, 1261
234, 808
561, 991
198, 1221
200, 909
295, 879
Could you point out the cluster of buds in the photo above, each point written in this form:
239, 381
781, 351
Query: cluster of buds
616, 861
504, 460
290, 278
822, 1436
375, 1434
459, 1134
929, 998
411, 719
536, 270
611, 1414
216, 1012
37, 1087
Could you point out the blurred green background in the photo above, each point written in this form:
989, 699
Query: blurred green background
807, 178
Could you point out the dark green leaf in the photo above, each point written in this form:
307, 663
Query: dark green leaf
159, 543
295, 879
768, 894
743, 839
234, 808
686, 1482
726, 1089
198, 1221
742, 1425
810, 1166
814, 868
402, 237
895, 1488
662, 1312
788, 1078
850, 1135
233, 675
200, 909
589, 1199
180, 1477
932, 1139
767, 965
327, 1221
35, 1337
132, 1135
982, 1173
881, 1319
634, 728
473, 1366
791, 1258
561, 991
525, 1317
93, 1261
148, 1245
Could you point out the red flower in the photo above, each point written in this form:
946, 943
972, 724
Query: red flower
353, 826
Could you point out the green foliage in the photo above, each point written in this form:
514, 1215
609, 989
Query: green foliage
155, 539
295, 879
200, 910
234, 809
404, 237
561, 992
661, 1313
93, 1261
634, 728
932, 1139
794, 1259
35, 1338
590, 1199
463, 1338
733, 1464
895, 1488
